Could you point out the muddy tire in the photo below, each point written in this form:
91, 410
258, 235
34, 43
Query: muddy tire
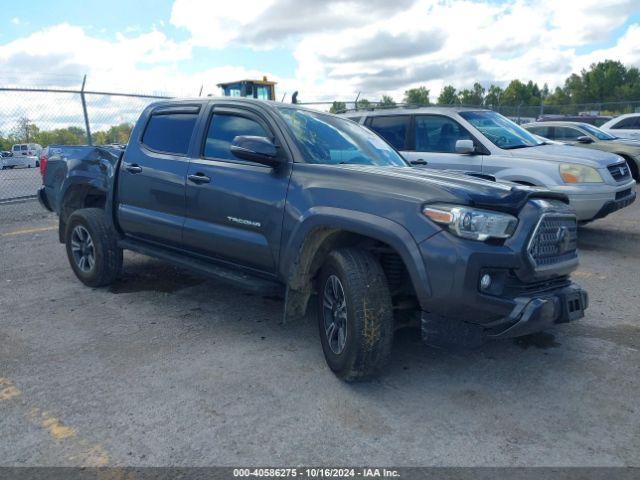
92, 248
355, 316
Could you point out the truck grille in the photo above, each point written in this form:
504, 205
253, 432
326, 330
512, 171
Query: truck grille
619, 171
554, 241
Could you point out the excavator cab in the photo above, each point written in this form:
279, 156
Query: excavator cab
260, 89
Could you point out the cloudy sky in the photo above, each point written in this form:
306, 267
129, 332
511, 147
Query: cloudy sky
328, 49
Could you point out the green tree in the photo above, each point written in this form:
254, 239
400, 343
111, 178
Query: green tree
417, 96
473, 96
448, 96
386, 102
25, 131
115, 134
493, 96
338, 107
363, 104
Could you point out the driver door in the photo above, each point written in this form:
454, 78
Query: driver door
235, 207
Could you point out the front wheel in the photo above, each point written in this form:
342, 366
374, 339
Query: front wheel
92, 248
355, 315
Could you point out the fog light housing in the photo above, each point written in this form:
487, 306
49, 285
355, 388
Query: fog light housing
485, 281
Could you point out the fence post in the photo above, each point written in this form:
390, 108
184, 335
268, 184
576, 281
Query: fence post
84, 111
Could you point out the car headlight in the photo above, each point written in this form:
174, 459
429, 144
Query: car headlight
472, 223
574, 173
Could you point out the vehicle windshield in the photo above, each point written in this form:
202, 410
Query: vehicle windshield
596, 132
501, 131
332, 140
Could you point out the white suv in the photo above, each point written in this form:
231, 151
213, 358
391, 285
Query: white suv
624, 126
484, 142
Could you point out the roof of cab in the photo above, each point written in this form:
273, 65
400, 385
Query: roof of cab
271, 104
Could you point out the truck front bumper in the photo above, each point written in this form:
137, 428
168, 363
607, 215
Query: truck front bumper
527, 315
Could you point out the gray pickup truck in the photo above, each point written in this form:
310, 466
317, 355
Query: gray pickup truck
278, 198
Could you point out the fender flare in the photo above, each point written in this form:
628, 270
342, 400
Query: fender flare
295, 263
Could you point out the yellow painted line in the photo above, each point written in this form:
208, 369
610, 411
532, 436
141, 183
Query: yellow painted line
28, 230
84, 453
51, 424
8, 390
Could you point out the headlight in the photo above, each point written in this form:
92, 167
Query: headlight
574, 173
467, 222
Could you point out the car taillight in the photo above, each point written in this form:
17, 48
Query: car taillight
43, 164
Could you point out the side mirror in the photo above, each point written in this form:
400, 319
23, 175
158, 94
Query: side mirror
465, 146
585, 139
255, 149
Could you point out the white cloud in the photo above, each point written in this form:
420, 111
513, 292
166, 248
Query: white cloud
341, 47
15, 21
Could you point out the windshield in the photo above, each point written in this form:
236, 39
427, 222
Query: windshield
596, 132
501, 131
332, 140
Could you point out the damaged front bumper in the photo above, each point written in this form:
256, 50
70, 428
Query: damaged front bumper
528, 315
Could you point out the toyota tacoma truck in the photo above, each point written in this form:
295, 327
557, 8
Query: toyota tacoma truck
276, 198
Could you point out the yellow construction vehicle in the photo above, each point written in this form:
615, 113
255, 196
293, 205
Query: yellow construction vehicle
261, 89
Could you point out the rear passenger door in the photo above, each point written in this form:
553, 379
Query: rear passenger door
235, 207
435, 138
151, 182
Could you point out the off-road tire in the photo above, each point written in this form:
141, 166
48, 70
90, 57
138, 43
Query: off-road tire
369, 331
108, 256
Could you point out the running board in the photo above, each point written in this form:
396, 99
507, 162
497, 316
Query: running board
250, 283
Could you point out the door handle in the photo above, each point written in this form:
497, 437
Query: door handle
199, 178
133, 168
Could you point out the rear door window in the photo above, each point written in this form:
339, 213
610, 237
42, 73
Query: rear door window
394, 129
170, 133
546, 132
630, 123
436, 133
23, 148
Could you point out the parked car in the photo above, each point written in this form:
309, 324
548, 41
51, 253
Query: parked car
595, 120
624, 126
485, 142
28, 149
13, 161
5, 153
278, 198
585, 135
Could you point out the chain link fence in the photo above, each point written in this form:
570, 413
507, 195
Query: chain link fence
34, 118
31, 118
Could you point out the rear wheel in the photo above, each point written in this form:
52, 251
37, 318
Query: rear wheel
92, 248
355, 316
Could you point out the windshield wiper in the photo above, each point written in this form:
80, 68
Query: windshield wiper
513, 147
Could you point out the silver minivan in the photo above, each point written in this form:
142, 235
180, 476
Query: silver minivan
482, 141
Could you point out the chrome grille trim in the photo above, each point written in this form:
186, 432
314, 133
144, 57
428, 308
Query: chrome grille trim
546, 250
619, 171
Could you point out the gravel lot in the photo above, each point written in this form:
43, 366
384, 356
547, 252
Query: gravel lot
165, 368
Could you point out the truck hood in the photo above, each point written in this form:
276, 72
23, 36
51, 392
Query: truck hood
467, 189
566, 154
